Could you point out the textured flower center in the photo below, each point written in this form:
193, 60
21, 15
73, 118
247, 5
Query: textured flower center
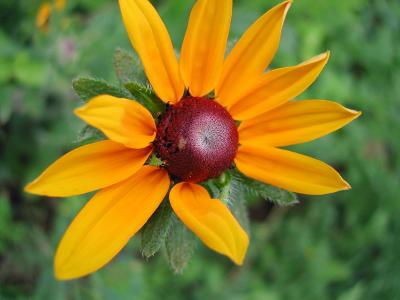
197, 139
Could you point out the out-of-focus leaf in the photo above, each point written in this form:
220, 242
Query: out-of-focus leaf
255, 189
6, 69
354, 293
30, 71
87, 88
156, 229
128, 67
6, 104
5, 221
146, 96
180, 244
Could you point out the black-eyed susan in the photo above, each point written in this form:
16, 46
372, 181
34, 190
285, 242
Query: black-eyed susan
196, 138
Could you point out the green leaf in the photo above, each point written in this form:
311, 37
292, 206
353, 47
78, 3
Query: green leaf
6, 70
180, 244
6, 103
87, 88
254, 189
87, 135
146, 96
128, 67
156, 229
30, 71
238, 204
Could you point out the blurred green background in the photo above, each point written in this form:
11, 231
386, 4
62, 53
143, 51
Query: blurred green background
343, 246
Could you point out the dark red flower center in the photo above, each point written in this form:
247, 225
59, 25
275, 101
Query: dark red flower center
197, 139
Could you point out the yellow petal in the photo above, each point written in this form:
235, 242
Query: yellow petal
203, 48
152, 42
43, 16
123, 121
107, 222
60, 4
288, 170
88, 168
276, 87
210, 220
296, 122
252, 54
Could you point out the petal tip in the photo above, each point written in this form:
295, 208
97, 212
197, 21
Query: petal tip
285, 6
28, 188
33, 188
327, 54
353, 114
347, 185
239, 258
80, 111
357, 113
61, 275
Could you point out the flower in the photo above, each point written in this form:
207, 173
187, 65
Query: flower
44, 13
60, 4
43, 16
196, 137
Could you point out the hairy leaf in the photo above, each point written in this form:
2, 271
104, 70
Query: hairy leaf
180, 244
128, 67
253, 189
146, 96
87, 88
153, 234
238, 204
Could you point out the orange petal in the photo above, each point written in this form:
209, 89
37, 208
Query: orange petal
88, 168
43, 16
203, 48
123, 121
153, 44
296, 122
288, 170
252, 54
210, 220
276, 87
107, 222
60, 4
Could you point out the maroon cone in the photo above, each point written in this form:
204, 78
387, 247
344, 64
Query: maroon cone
197, 139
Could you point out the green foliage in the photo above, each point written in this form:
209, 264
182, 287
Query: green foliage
180, 244
254, 190
87, 88
128, 68
130, 74
87, 135
153, 234
146, 96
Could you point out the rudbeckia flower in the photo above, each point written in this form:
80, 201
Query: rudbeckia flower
196, 138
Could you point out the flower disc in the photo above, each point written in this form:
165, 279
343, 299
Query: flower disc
197, 139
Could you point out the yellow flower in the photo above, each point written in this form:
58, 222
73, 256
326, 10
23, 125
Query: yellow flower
44, 13
196, 137
43, 16
60, 4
